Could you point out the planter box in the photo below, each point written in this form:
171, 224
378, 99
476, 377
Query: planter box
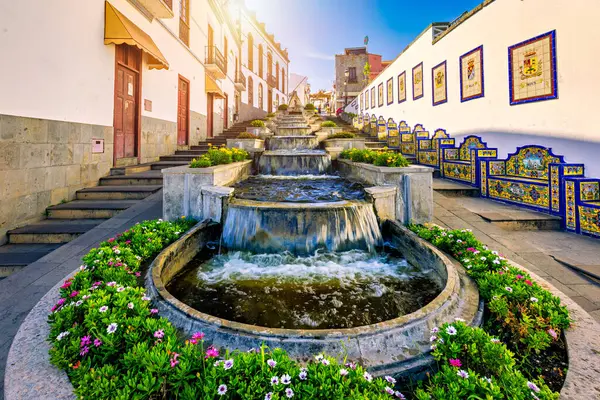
182, 187
331, 131
414, 199
262, 132
250, 145
356, 143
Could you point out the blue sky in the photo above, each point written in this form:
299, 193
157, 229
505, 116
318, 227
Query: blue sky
315, 30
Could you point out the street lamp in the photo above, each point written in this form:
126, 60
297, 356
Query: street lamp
346, 75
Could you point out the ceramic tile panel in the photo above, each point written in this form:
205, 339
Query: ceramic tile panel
417, 81
439, 84
402, 87
471, 75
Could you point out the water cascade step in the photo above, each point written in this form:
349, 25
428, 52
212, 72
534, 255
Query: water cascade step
294, 162
269, 227
303, 142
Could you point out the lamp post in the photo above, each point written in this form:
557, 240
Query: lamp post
346, 75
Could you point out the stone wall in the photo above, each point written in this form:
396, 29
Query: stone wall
159, 138
198, 128
43, 162
249, 113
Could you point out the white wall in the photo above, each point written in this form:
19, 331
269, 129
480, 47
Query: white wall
299, 83
566, 123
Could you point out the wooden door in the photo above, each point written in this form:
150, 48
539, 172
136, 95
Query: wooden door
183, 111
270, 101
126, 107
226, 111
209, 115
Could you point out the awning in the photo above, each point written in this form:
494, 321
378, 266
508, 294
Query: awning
211, 86
118, 29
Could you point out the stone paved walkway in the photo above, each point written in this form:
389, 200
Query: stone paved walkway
534, 250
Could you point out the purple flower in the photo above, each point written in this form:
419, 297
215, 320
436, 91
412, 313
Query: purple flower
174, 362
343, 372
97, 342
112, 328
325, 362
399, 395
533, 387
85, 341
84, 351
368, 377
350, 365
271, 363
222, 390
463, 374
553, 333
103, 309
268, 396
228, 364
389, 390
286, 379
450, 330
274, 381
154, 311
389, 379
303, 375
159, 334
289, 393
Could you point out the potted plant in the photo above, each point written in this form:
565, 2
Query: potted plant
330, 127
257, 127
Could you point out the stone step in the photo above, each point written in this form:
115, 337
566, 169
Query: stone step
117, 192
196, 153
520, 220
131, 169
52, 231
160, 165
14, 257
88, 209
454, 189
142, 178
178, 157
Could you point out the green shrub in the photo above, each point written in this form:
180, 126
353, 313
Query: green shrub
310, 107
201, 162
282, 107
270, 115
257, 123
247, 135
328, 124
382, 158
342, 135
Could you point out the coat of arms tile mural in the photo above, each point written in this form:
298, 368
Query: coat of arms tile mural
532, 69
380, 95
417, 81
439, 81
471, 74
373, 97
402, 87
390, 91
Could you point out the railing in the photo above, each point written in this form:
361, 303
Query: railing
240, 78
271, 80
214, 56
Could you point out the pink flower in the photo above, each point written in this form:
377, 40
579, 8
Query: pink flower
128, 242
196, 337
471, 249
212, 352
84, 351
500, 272
111, 240
159, 334
553, 333
66, 284
138, 274
85, 340
455, 362
97, 342
528, 282
154, 311
174, 361
74, 293
519, 276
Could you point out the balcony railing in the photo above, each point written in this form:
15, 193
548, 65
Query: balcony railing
184, 32
215, 62
240, 80
271, 80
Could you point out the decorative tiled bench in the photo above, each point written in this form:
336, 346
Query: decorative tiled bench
582, 204
408, 141
373, 126
532, 177
429, 150
463, 163
381, 129
366, 123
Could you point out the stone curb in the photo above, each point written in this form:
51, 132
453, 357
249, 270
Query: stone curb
29, 374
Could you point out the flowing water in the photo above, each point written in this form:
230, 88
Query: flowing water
321, 291
294, 162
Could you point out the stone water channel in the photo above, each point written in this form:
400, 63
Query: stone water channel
305, 261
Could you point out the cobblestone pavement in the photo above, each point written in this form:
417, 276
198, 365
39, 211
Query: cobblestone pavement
535, 250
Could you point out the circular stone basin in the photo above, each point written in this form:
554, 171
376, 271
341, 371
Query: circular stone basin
323, 291
298, 189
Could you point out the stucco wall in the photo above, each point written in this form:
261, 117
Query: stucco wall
567, 123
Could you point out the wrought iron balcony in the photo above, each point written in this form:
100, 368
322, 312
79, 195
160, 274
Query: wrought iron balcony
271, 80
215, 62
240, 81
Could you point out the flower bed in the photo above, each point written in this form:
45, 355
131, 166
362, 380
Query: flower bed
381, 158
112, 343
218, 156
526, 319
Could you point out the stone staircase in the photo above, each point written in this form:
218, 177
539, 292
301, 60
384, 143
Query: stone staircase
123, 188
370, 142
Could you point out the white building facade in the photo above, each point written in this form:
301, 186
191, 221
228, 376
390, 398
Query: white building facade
299, 84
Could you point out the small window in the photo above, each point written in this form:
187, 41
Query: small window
352, 74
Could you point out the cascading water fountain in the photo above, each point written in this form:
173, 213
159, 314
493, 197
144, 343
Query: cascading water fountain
303, 267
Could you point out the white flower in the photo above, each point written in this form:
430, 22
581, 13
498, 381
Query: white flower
435, 329
433, 338
289, 393
494, 340
103, 309
271, 363
274, 381
111, 283
368, 377
268, 396
399, 395
218, 362
177, 233
440, 340
467, 266
62, 335
130, 306
459, 319
496, 261
466, 260
494, 252
319, 357
458, 241
112, 328
508, 289
120, 289
302, 375
85, 297
82, 267
476, 252
483, 259
222, 390
389, 379
285, 379
533, 299
451, 235
488, 380
145, 298
343, 372
325, 361
80, 302
228, 364
117, 251
450, 330
433, 347
463, 374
